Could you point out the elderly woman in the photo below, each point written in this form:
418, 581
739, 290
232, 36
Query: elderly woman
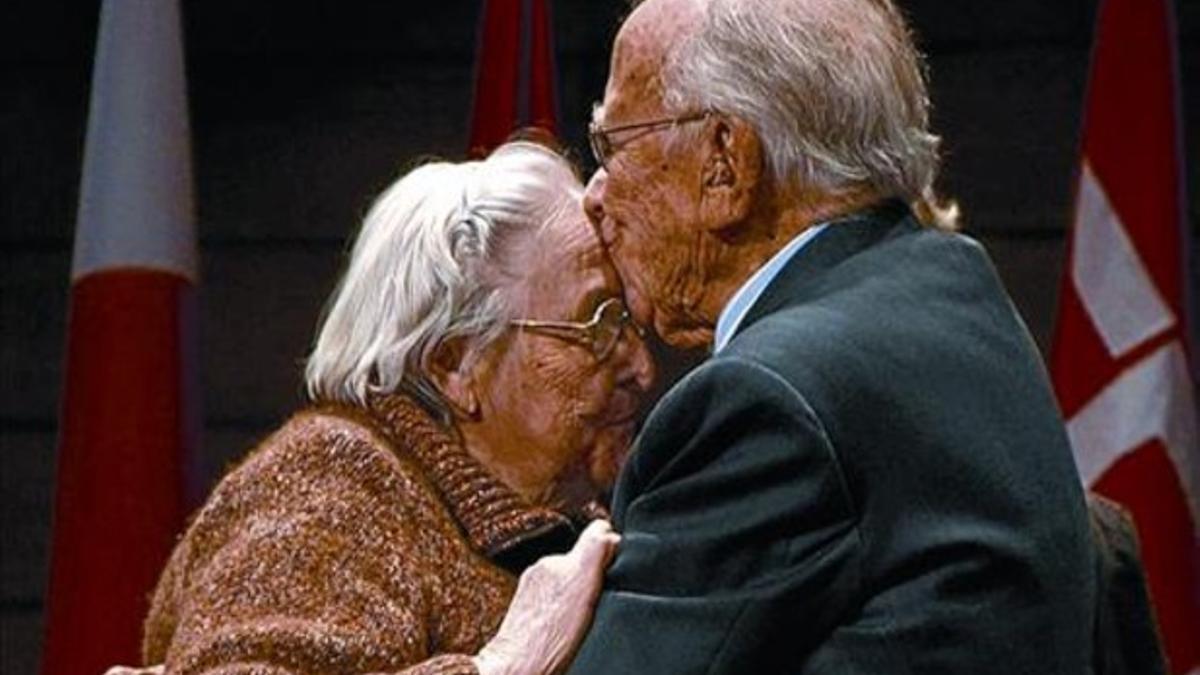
475, 383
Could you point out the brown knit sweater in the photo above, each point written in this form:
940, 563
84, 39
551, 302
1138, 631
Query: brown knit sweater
350, 541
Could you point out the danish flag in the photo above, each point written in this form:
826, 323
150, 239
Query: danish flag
1121, 357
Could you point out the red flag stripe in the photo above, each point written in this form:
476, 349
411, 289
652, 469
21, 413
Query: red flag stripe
497, 66
514, 73
543, 107
124, 429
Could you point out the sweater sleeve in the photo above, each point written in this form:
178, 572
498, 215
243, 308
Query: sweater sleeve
310, 558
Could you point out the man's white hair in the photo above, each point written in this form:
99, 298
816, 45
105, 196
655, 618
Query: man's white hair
835, 89
431, 262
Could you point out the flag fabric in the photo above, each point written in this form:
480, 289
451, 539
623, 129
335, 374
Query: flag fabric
515, 73
128, 416
1122, 352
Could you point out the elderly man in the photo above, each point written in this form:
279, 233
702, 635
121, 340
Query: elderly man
869, 475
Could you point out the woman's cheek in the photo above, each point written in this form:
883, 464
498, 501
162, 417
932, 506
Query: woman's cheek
611, 448
554, 396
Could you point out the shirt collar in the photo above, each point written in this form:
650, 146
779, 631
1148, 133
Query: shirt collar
735, 310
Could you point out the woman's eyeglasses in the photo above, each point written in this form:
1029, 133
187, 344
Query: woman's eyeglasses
600, 334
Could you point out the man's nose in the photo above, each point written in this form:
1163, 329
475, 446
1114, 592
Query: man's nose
593, 204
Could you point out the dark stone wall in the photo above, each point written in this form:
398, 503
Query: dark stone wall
302, 111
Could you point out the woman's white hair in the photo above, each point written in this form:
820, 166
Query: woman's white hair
835, 88
431, 262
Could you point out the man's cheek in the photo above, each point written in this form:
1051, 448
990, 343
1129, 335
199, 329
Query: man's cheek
636, 298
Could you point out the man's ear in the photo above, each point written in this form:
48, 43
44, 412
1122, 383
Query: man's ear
451, 371
733, 168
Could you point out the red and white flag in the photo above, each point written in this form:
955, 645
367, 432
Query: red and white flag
1121, 354
514, 73
128, 413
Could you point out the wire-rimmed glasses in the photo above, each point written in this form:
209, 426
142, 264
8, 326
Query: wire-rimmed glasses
603, 145
600, 334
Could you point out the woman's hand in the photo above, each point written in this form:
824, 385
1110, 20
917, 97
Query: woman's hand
552, 608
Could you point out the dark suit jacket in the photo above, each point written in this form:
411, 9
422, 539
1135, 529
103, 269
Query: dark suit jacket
872, 477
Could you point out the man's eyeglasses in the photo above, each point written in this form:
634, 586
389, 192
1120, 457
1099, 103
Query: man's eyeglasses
600, 335
601, 138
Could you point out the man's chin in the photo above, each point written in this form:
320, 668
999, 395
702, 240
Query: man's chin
669, 329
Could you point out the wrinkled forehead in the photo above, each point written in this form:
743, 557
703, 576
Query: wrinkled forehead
634, 81
566, 266
573, 241
565, 242
635, 85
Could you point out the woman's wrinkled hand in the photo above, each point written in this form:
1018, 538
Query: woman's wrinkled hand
552, 608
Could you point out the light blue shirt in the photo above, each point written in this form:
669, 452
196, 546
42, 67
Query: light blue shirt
741, 302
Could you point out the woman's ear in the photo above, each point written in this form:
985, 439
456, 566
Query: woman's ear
450, 369
732, 171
